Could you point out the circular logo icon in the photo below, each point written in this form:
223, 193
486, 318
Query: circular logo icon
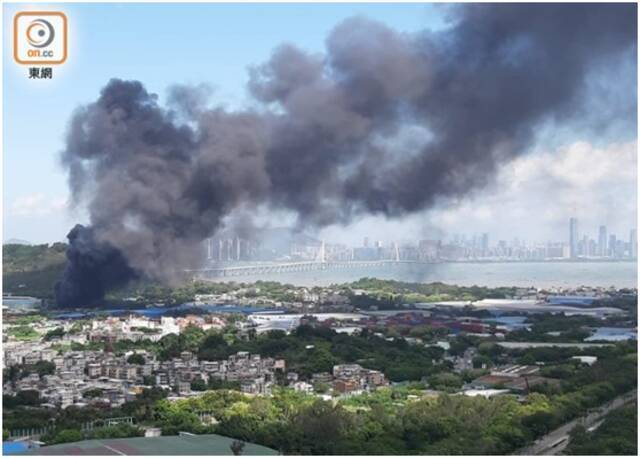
40, 33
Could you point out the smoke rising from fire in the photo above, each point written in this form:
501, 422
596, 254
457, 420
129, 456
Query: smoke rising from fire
158, 180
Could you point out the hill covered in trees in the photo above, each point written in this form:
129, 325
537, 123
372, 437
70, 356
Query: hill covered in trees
32, 270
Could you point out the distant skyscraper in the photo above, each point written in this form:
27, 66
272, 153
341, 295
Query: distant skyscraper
612, 245
485, 244
366, 242
573, 237
602, 241
633, 244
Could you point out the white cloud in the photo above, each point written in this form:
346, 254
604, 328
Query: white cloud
37, 204
531, 198
535, 195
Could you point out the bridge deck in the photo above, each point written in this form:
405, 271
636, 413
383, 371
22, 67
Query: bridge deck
301, 266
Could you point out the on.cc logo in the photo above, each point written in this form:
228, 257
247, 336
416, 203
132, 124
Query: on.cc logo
40, 37
40, 33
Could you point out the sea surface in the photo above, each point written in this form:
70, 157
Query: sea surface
491, 274
21, 302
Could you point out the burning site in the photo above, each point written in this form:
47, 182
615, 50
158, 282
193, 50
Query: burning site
323, 136
314, 229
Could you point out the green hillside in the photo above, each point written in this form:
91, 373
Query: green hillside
32, 270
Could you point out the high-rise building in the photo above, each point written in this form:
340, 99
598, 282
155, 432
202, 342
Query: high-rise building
633, 244
612, 245
573, 237
485, 244
584, 246
602, 241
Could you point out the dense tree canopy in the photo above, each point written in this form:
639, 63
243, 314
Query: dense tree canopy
617, 435
398, 420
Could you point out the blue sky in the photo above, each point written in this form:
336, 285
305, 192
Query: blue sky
159, 44
165, 44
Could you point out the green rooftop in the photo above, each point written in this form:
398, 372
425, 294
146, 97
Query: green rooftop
206, 444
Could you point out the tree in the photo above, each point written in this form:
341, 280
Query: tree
198, 384
29, 397
458, 346
54, 334
319, 360
237, 447
93, 393
445, 381
22, 398
67, 435
322, 426
421, 426
490, 349
617, 435
191, 338
12, 373
117, 431
45, 368
78, 326
540, 422
480, 360
173, 418
169, 347
321, 387
214, 347
136, 358
218, 384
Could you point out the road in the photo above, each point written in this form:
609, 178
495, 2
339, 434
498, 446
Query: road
557, 440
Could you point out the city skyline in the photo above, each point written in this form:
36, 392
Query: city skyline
578, 245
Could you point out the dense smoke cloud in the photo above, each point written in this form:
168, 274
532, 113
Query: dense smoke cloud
92, 268
326, 140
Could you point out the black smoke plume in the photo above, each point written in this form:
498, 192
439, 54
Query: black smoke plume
93, 267
382, 123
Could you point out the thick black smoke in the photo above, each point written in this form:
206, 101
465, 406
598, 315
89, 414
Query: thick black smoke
329, 139
93, 268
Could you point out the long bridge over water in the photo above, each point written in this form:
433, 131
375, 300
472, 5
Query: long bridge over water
318, 264
286, 267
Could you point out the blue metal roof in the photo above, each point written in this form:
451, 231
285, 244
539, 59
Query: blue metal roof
10, 448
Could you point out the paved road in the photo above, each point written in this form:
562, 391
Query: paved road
557, 440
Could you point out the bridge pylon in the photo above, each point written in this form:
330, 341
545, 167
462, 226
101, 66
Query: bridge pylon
321, 257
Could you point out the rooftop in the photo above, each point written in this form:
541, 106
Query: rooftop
206, 444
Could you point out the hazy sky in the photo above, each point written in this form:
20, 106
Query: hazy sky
586, 168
